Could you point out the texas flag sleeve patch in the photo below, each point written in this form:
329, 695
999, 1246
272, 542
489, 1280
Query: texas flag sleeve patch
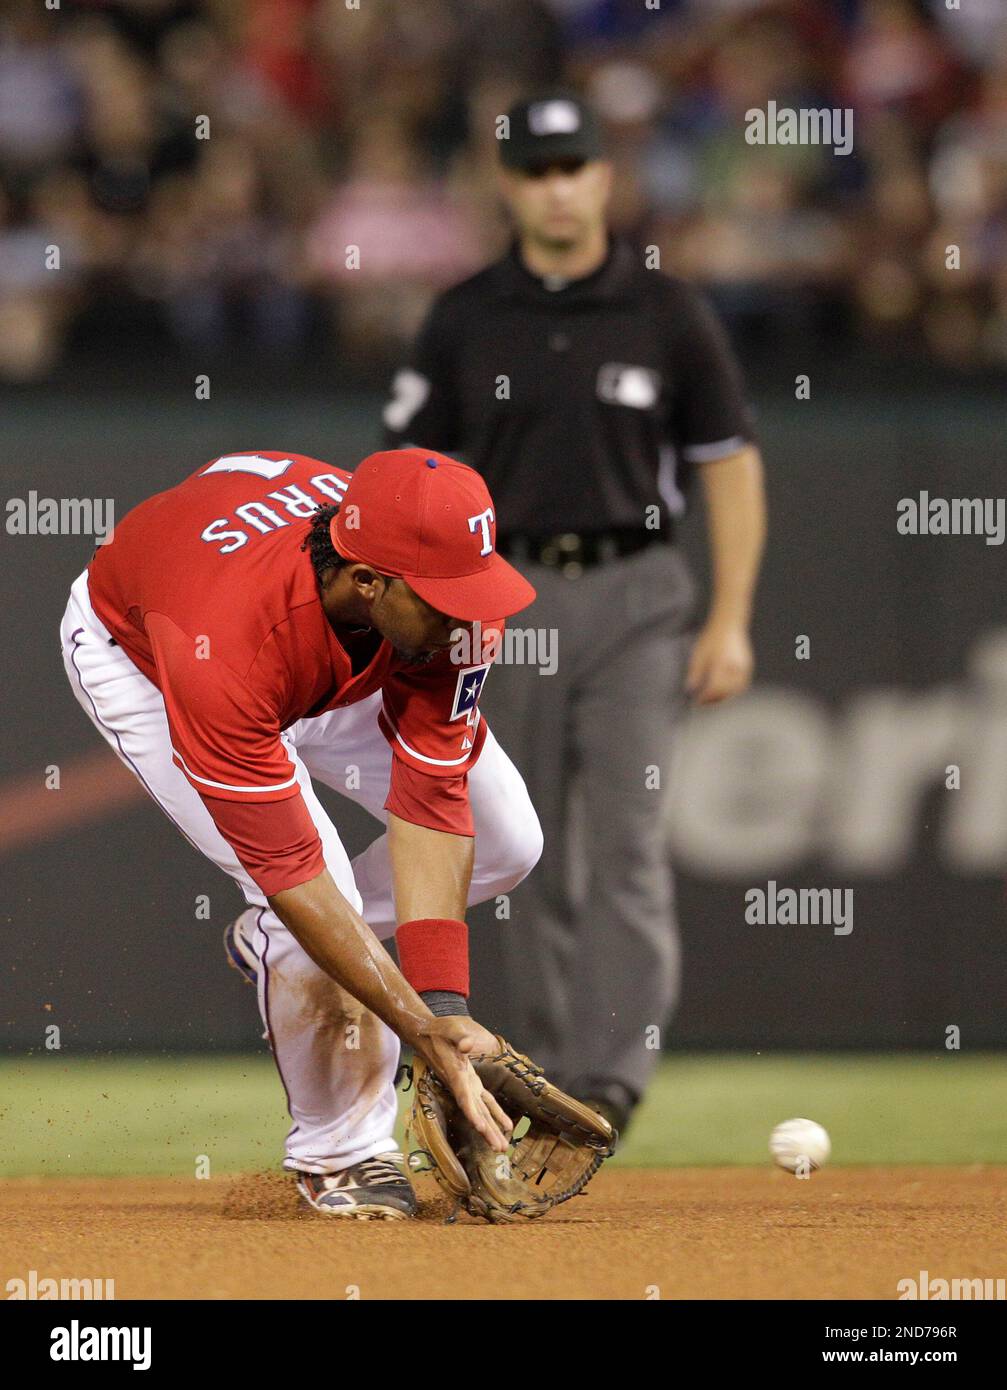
468, 689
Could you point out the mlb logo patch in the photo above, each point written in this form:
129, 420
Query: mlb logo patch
621, 384
468, 689
556, 117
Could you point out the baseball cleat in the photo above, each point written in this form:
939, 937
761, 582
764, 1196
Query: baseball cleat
375, 1189
240, 955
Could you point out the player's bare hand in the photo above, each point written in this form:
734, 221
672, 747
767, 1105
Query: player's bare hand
722, 663
448, 1046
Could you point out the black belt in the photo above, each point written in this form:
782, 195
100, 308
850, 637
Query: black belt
572, 552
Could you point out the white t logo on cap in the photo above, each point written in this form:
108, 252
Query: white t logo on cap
483, 521
553, 118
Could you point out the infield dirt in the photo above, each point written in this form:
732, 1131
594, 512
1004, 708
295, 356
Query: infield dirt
638, 1233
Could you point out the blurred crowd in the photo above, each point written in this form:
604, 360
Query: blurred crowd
200, 167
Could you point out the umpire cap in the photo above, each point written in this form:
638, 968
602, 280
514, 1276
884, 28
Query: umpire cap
555, 126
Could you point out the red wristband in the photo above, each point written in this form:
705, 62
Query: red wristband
434, 954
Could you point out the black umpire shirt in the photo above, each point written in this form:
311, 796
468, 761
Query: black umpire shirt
582, 403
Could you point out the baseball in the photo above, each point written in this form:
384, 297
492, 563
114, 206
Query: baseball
799, 1145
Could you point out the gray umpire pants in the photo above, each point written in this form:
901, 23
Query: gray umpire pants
590, 953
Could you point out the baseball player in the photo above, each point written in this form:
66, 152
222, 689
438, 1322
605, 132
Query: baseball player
272, 620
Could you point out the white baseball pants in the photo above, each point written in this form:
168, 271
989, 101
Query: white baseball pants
341, 1096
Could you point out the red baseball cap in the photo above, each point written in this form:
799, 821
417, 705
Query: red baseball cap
430, 520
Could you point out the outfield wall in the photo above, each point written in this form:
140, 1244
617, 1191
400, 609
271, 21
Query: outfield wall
831, 774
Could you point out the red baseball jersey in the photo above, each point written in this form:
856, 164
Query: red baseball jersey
207, 589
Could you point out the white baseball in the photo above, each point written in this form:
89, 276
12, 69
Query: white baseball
799, 1144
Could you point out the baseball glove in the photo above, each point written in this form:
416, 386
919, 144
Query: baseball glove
562, 1148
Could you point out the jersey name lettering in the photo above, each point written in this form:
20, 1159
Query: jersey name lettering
261, 517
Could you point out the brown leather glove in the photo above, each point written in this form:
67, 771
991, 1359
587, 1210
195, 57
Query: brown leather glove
562, 1148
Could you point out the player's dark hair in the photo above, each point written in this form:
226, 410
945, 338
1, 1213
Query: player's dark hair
318, 542
324, 555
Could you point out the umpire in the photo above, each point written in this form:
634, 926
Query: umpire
587, 389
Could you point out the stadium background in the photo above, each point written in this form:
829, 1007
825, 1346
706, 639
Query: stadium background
182, 258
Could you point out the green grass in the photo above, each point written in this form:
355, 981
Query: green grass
157, 1115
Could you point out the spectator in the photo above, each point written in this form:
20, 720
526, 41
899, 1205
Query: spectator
411, 239
330, 127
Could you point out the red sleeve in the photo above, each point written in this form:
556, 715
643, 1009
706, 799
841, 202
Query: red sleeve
430, 716
276, 841
225, 735
439, 803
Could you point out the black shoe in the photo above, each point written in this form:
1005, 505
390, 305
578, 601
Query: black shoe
617, 1117
373, 1189
614, 1103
